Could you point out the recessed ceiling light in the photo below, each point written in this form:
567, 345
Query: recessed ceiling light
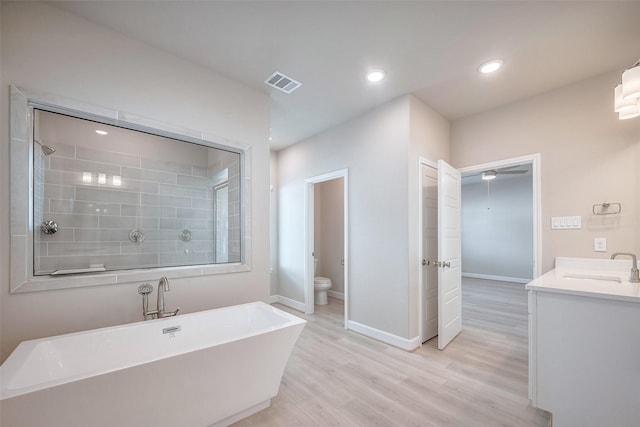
101, 132
490, 66
376, 75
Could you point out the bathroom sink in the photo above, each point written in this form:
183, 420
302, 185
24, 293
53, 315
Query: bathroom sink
603, 278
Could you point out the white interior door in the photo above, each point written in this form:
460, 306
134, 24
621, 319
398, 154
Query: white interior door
449, 271
429, 279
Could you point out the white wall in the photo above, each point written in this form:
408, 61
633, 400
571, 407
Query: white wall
273, 223
429, 139
588, 156
380, 150
497, 230
373, 148
49, 50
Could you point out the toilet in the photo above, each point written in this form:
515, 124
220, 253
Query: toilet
320, 286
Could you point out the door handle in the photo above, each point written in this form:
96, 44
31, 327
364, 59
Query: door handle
443, 264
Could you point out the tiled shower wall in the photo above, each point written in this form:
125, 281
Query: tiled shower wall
98, 197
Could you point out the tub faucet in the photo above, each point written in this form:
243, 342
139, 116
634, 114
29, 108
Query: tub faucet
635, 276
163, 286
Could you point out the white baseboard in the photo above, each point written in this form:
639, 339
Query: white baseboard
296, 305
273, 298
385, 337
334, 294
498, 278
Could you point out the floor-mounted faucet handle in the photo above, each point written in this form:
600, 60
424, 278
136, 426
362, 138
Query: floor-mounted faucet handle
145, 290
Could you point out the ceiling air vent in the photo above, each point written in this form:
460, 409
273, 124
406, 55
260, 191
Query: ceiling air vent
281, 82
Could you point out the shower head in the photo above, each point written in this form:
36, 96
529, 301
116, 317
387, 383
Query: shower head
45, 148
48, 150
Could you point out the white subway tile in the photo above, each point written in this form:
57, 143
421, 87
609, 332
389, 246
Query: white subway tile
175, 258
104, 195
148, 247
72, 165
199, 171
149, 175
178, 190
111, 262
166, 166
163, 200
64, 150
194, 213
62, 235
128, 222
145, 223
110, 157
202, 203
195, 181
75, 220
83, 248
174, 224
139, 186
79, 206
52, 191
101, 235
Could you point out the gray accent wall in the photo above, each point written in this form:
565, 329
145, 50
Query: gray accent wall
497, 228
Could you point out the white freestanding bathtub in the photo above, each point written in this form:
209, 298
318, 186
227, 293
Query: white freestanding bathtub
208, 368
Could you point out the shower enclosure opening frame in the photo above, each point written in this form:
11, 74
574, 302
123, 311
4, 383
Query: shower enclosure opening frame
22, 106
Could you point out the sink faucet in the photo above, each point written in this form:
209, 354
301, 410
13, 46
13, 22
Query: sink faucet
145, 290
163, 286
635, 275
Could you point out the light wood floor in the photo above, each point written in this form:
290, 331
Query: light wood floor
339, 378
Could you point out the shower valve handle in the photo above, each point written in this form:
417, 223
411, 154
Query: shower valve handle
49, 227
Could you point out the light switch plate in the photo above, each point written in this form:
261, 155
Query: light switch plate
566, 222
600, 244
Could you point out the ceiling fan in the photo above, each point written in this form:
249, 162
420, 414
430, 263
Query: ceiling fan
493, 173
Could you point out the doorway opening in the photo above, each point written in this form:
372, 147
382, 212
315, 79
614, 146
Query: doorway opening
326, 239
501, 220
440, 229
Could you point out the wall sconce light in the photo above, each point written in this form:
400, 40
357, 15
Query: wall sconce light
627, 94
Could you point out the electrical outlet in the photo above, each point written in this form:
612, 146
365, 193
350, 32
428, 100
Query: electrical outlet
600, 244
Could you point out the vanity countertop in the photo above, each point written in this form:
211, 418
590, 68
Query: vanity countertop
596, 278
